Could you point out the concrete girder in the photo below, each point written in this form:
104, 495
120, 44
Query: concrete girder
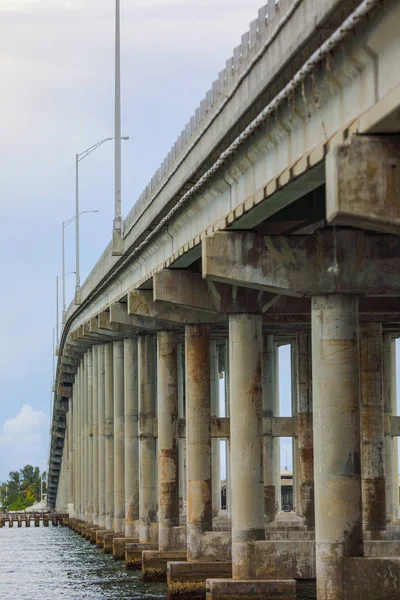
189, 290
141, 303
73, 351
120, 316
64, 378
329, 262
364, 177
106, 335
64, 391
69, 361
67, 369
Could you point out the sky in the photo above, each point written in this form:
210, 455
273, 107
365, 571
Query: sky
56, 100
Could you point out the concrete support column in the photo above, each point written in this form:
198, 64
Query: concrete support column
70, 429
78, 446
109, 432
83, 436
305, 451
337, 471
131, 436
74, 447
101, 463
95, 435
168, 455
228, 442
90, 437
215, 452
119, 441
295, 410
277, 441
246, 398
268, 440
147, 441
198, 436
395, 440
372, 428
387, 400
182, 415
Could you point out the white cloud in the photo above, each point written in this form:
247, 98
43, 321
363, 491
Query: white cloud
23, 440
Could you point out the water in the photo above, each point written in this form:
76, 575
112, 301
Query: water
47, 563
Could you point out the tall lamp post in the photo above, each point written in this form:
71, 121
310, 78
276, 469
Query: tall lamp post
117, 247
64, 225
78, 159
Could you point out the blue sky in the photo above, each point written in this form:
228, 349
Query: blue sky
57, 99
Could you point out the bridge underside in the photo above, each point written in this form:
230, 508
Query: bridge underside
293, 241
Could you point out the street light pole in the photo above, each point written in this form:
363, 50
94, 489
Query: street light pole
117, 228
78, 281
57, 326
78, 159
63, 273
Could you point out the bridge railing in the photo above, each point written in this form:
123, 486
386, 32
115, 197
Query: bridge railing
254, 44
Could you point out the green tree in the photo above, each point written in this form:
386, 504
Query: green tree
22, 489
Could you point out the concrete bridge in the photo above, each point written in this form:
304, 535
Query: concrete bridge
274, 220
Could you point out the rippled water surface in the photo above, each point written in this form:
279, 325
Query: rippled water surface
50, 563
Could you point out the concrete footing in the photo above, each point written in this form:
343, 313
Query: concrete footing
108, 542
188, 579
92, 537
100, 533
133, 555
230, 589
155, 563
119, 546
371, 578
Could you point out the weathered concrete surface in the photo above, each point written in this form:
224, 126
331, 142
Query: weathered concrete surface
302, 265
387, 401
109, 434
131, 435
268, 387
133, 555
119, 546
95, 437
108, 541
147, 441
245, 390
168, 440
377, 548
101, 465
372, 428
119, 437
284, 559
188, 579
92, 536
100, 533
337, 468
371, 579
155, 562
365, 177
305, 450
198, 440
229, 589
